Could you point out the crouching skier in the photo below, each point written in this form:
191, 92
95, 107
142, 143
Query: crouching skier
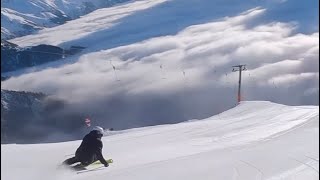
90, 150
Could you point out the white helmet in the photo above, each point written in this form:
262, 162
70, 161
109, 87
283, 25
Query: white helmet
99, 129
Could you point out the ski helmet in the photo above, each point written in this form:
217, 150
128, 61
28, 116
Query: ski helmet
99, 129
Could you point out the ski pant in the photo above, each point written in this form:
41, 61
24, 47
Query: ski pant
73, 160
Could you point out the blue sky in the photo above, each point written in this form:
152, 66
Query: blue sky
306, 13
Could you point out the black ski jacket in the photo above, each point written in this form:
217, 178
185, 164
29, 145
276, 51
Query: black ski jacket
90, 149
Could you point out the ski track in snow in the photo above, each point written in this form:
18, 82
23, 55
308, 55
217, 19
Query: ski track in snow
255, 140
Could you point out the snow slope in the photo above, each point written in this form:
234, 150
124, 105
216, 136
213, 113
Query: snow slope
20, 18
93, 23
255, 140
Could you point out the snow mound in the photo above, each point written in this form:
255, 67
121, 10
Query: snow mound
254, 140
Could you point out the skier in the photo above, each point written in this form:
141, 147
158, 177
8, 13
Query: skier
90, 149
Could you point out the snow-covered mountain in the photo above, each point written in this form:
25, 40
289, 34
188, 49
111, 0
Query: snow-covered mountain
20, 18
255, 140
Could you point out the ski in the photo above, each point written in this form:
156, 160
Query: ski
89, 170
92, 167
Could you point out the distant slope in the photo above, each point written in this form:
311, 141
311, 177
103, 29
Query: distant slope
255, 140
20, 18
90, 24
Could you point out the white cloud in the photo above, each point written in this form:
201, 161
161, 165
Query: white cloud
289, 79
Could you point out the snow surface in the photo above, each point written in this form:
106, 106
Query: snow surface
255, 140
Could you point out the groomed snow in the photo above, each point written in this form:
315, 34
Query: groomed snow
255, 140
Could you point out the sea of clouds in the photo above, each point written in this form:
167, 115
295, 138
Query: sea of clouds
188, 75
